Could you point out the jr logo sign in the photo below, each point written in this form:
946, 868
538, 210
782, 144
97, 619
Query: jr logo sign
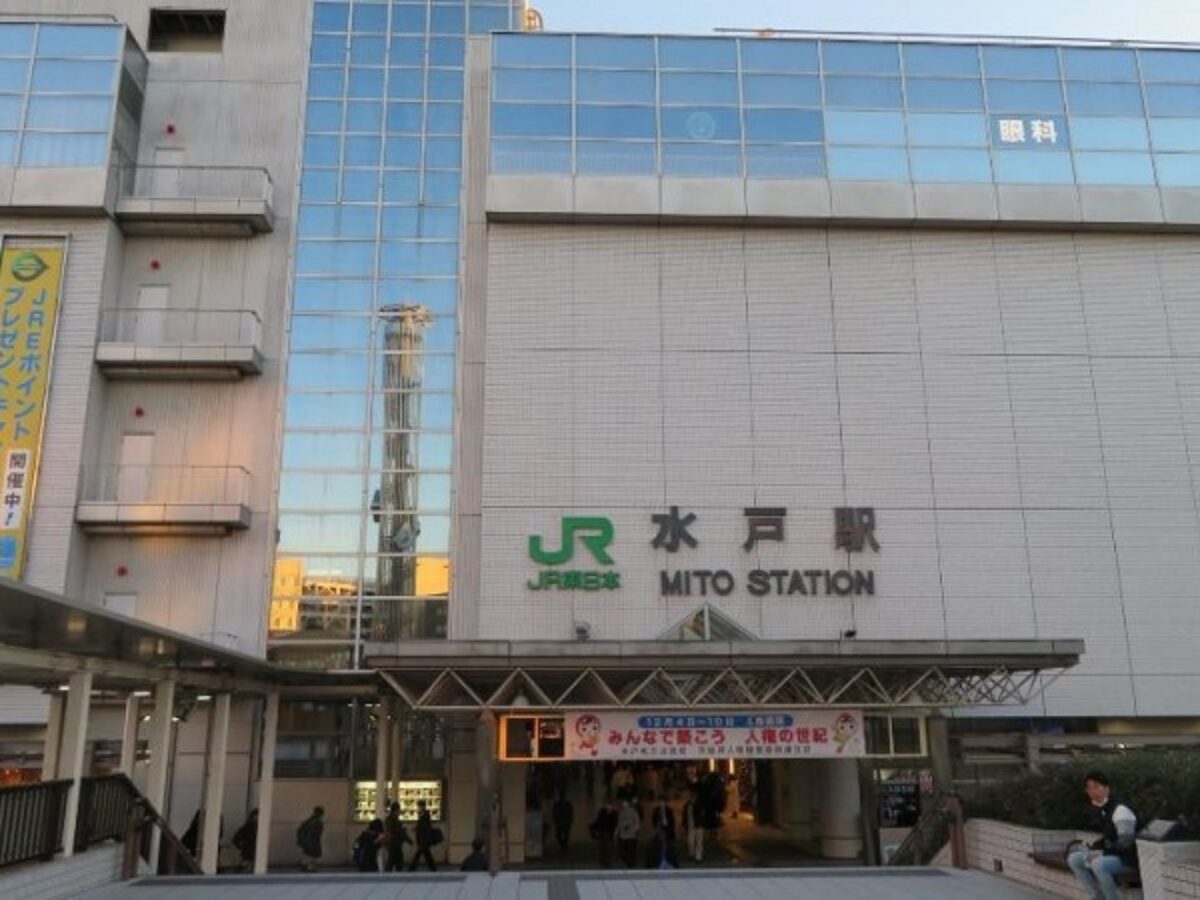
595, 534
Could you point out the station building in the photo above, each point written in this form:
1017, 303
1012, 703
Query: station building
500, 407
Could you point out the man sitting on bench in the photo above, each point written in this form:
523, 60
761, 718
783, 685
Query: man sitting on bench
1115, 853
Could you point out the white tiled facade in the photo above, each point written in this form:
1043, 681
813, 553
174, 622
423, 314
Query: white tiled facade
1020, 408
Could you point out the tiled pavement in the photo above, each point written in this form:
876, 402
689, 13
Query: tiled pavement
774, 884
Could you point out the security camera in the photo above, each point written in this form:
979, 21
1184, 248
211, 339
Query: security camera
583, 631
849, 634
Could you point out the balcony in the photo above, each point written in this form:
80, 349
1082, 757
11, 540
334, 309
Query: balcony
179, 344
157, 500
194, 201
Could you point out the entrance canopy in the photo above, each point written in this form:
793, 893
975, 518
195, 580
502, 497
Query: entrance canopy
477, 675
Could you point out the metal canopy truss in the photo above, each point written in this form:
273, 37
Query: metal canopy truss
758, 675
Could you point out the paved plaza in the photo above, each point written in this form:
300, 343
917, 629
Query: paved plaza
777, 884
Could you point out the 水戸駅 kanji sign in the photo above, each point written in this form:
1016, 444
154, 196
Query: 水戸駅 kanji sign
770, 734
30, 278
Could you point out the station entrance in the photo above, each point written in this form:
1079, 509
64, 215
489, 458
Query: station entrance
657, 790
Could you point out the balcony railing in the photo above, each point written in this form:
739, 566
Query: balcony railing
195, 199
203, 343
148, 499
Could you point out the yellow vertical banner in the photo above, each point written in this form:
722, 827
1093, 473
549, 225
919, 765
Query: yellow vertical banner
30, 278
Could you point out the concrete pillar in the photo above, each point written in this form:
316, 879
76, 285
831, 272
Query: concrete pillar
512, 810
799, 799
396, 753
487, 779
214, 783
841, 828
937, 732
129, 731
160, 757
266, 784
382, 740
70, 757
50, 747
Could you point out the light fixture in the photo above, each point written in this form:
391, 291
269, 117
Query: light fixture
203, 698
64, 687
141, 693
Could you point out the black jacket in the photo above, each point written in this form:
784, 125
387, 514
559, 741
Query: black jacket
1112, 842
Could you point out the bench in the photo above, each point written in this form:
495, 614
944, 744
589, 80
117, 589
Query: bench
1051, 849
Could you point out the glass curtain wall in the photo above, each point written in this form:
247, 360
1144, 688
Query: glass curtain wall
365, 485
845, 110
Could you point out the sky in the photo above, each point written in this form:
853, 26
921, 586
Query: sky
1147, 20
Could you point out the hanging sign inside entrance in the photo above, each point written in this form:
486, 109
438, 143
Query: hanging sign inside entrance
814, 733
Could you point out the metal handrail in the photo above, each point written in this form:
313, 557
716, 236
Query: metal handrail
942, 820
33, 821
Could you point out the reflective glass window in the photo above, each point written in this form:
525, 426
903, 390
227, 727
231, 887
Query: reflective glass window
864, 127
1178, 169
8, 148
699, 87
406, 84
407, 51
792, 125
322, 490
1025, 96
79, 40
445, 84
328, 49
333, 294
531, 84
701, 124
365, 82
783, 161
437, 336
418, 258
779, 55
367, 51
860, 56
486, 19
329, 332
84, 77
10, 111
408, 18
331, 16
446, 51
531, 50
947, 165
369, 17
943, 93
1173, 99
1036, 132
16, 40
442, 186
941, 59
704, 54
322, 82
614, 86
1170, 65
439, 222
364, 115
323, 115
1096, 99
868, 164
702, 160
400, 221
1114, 168
402, 152
863, 93
322, 150
327, 372
327, 533
360, 185
947, 129
443, 152
437, 411
514, 157
437, 374
513, 119
335, 257
337, 221
1020, 62
434, 451
14, 75
605, 51
316, 184
781, 90
616, 121
1032, 167
69, 113
363, 150
448, 19
59, 149
1175, 134
616, 158
401, 187
1108, 133
1099, 64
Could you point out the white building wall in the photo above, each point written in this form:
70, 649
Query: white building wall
1021, 410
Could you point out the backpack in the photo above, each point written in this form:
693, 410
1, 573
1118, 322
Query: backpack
435, 837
